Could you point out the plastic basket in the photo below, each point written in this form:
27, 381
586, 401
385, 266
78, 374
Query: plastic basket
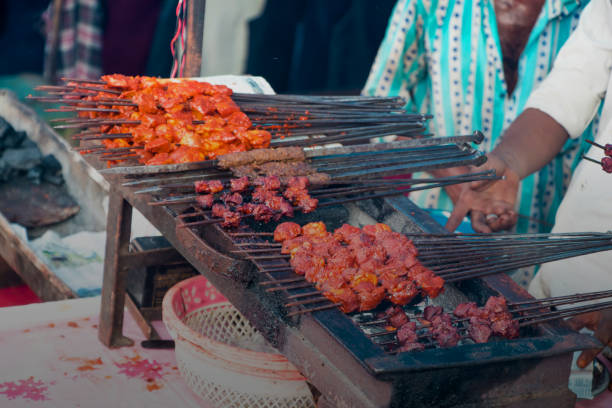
206, 329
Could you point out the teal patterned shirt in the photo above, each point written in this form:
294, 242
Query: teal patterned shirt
444, 57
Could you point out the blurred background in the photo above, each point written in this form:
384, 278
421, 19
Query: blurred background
299, 46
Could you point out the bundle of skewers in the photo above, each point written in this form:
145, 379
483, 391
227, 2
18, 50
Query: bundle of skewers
271, 198
159, 121
400, 331
441, 258
606, 161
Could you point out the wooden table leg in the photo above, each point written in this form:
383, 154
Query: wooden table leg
118, 229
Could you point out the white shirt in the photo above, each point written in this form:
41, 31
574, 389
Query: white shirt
580, 79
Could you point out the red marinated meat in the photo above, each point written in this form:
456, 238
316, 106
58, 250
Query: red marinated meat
205, 200
287, 230
208, 186
346, 231
308, 204
238, 185
218, 210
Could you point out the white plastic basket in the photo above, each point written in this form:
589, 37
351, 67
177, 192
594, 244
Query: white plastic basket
207, 329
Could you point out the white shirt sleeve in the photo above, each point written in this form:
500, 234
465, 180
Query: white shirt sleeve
578, 81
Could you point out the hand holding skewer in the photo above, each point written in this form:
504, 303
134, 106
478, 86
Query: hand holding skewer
482, 199
601, 323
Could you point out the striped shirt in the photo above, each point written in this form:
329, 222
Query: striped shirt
444, 58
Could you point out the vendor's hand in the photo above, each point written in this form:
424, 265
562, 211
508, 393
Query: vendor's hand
490, 202
601, 324
454, 191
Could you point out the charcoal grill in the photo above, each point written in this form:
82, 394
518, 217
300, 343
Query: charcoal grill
337, 357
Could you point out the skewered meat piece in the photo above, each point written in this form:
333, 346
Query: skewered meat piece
315, 229
205, 200
262, 213
464, 310
268, 182
432, 311
167, 110
247, 209
399, 318
345, 231
308, 204
232, 160
234, 199
218, 210
407, 333
287, 230
231, 219
208, 186
300, 182
445, 334
239, 185
355, 259
479, 330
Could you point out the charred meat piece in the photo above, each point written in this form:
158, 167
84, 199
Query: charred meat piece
407, 333
300, 182
268, 182
432, 311
233, 199
239, 185
205, 200
464, 310
262, 213
287, 230
208, 186
218, 210
479, 330
231, 219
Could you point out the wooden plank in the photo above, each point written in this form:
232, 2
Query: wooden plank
22, 259
195, 38
119, 224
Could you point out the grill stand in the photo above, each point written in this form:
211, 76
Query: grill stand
315, 351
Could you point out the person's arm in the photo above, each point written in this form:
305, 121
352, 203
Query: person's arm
561, 107
601, 324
